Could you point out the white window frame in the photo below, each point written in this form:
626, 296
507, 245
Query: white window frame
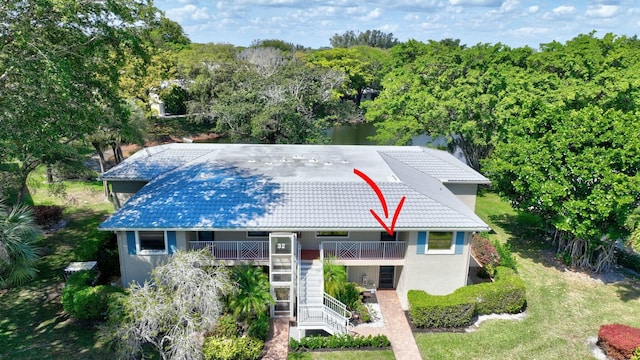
141, 251
450, 250
332, 236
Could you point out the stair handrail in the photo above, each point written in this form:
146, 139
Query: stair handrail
336, 306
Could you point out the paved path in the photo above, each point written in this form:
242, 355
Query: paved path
277, 344
395, 327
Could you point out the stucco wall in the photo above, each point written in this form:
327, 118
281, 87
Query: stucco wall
354, 274
465, 192
435, 274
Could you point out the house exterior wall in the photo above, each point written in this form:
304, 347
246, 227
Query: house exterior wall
465, 192
355, 273
437, 274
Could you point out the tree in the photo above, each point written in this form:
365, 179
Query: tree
182, 300
373, 38
18, 252
335, 277
253, 296
60, 62
570, 154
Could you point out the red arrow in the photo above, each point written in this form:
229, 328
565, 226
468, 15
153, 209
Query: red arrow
383, 201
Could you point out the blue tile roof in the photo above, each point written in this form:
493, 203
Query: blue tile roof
221, 191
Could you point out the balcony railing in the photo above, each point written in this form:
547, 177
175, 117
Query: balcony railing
363, 250
234, 250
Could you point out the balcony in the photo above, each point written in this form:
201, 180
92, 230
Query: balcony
364, 252
231, 252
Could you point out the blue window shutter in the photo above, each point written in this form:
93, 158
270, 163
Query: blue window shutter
459, 242
131, 242
422, 242
171, 242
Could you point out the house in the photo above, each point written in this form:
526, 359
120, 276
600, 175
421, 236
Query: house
289, 207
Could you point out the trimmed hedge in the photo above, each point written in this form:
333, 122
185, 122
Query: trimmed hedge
311, 343
507, 294
232, 348
85, 302
440, 311
619, 342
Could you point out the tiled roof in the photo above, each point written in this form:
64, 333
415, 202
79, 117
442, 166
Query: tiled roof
438, 164
246, 187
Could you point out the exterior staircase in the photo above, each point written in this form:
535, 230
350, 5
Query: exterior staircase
316, 309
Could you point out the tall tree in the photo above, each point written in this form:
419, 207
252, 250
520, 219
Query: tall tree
571, 152
373, 38
59, 67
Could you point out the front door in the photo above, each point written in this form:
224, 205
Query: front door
386, 277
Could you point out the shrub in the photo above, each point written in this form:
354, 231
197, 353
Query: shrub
259, 327
485, 253
506, 257
232, 348
619, 341
507, 294
92, 302
434, 311
628, 259
226, 326
339, 342
349, 295
47, 216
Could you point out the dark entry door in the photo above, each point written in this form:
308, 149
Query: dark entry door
386, 277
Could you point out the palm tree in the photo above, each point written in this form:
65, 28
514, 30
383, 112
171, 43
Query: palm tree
253, 297
18, 253
335, 277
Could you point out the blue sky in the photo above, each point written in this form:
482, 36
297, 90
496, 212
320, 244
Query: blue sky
312, 22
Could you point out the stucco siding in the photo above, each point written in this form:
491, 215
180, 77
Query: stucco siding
437, 274
135, 267
465, 192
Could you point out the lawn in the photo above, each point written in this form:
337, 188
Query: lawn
32, 322
564, 307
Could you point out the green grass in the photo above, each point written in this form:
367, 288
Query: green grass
32, 322
343, 355
564, 307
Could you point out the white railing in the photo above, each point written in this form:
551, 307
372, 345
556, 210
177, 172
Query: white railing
234, 250
362, 250
336, 306
320, 316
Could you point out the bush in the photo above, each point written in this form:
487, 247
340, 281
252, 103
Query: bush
446, 311
485, 253
619, 341
507, 294
85, 302
310, 343
628, 259
349, 295
226, 326
232, 348
506, 257
259, 327
47, 216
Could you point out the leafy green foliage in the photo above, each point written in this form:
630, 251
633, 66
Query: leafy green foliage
88, 302
259, 327
335, 277
226, 326
175, 99
232, 348
507, 294
507, 259
311, 343
18, 251
446, 311
253, 295
349, 295
373, 38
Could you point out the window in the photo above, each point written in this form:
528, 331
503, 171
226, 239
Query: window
151, 242
332, 234
257, 234
205, 235
440, 242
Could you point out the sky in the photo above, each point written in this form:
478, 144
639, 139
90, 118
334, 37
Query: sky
312, 23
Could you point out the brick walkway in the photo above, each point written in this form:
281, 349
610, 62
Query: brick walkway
277, 344
395, 327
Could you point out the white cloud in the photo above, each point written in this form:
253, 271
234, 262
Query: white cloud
411, 17
476, 2
509, 5
532, 31
373, 14
533, 9
564, 10
602, 11
189, 12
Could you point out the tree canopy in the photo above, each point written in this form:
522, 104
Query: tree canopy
373, 38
